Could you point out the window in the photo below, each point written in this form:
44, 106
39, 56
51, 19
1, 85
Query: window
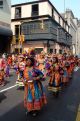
35, 10
53, 13
51, 51
59, 19
18, 12
17, 29
60, 51
1, 4
55, 51
63, 24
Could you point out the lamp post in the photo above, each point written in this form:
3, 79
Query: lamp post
21, 38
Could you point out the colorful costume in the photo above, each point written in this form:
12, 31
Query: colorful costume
7, 70
20, 71
34, 96
2, 81
55, 80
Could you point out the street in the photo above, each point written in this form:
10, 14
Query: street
39, 39
63, 108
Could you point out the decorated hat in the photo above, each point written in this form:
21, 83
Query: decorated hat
21, 56
31, 52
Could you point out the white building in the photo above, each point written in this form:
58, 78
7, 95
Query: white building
73, 23
78, 42
43, 26
5, 25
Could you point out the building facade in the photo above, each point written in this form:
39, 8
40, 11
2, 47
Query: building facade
42, 25
5, 25
73, 23
78, 42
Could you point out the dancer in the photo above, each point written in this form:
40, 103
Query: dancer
34, 95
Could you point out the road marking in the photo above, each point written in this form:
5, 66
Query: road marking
3, 90
78, 114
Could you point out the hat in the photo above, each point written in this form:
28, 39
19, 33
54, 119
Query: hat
31, 52
21, 56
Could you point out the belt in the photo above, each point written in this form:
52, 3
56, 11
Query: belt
30, 81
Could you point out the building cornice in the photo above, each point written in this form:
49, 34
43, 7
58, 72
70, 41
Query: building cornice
27, 3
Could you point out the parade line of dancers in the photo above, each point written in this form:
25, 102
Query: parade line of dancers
32, 69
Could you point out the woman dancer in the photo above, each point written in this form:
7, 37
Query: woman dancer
34, 96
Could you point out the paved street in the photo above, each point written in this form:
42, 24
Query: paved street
63, 108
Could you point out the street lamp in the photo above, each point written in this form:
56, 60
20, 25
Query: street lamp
21, 37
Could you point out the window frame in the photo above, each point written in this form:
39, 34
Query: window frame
18, 15
1, 5
33, 12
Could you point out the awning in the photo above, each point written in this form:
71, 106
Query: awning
5, 31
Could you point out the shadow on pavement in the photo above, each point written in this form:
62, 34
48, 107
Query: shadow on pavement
60, 109
7, 82
2, 96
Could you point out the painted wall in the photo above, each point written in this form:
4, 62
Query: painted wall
26, 11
